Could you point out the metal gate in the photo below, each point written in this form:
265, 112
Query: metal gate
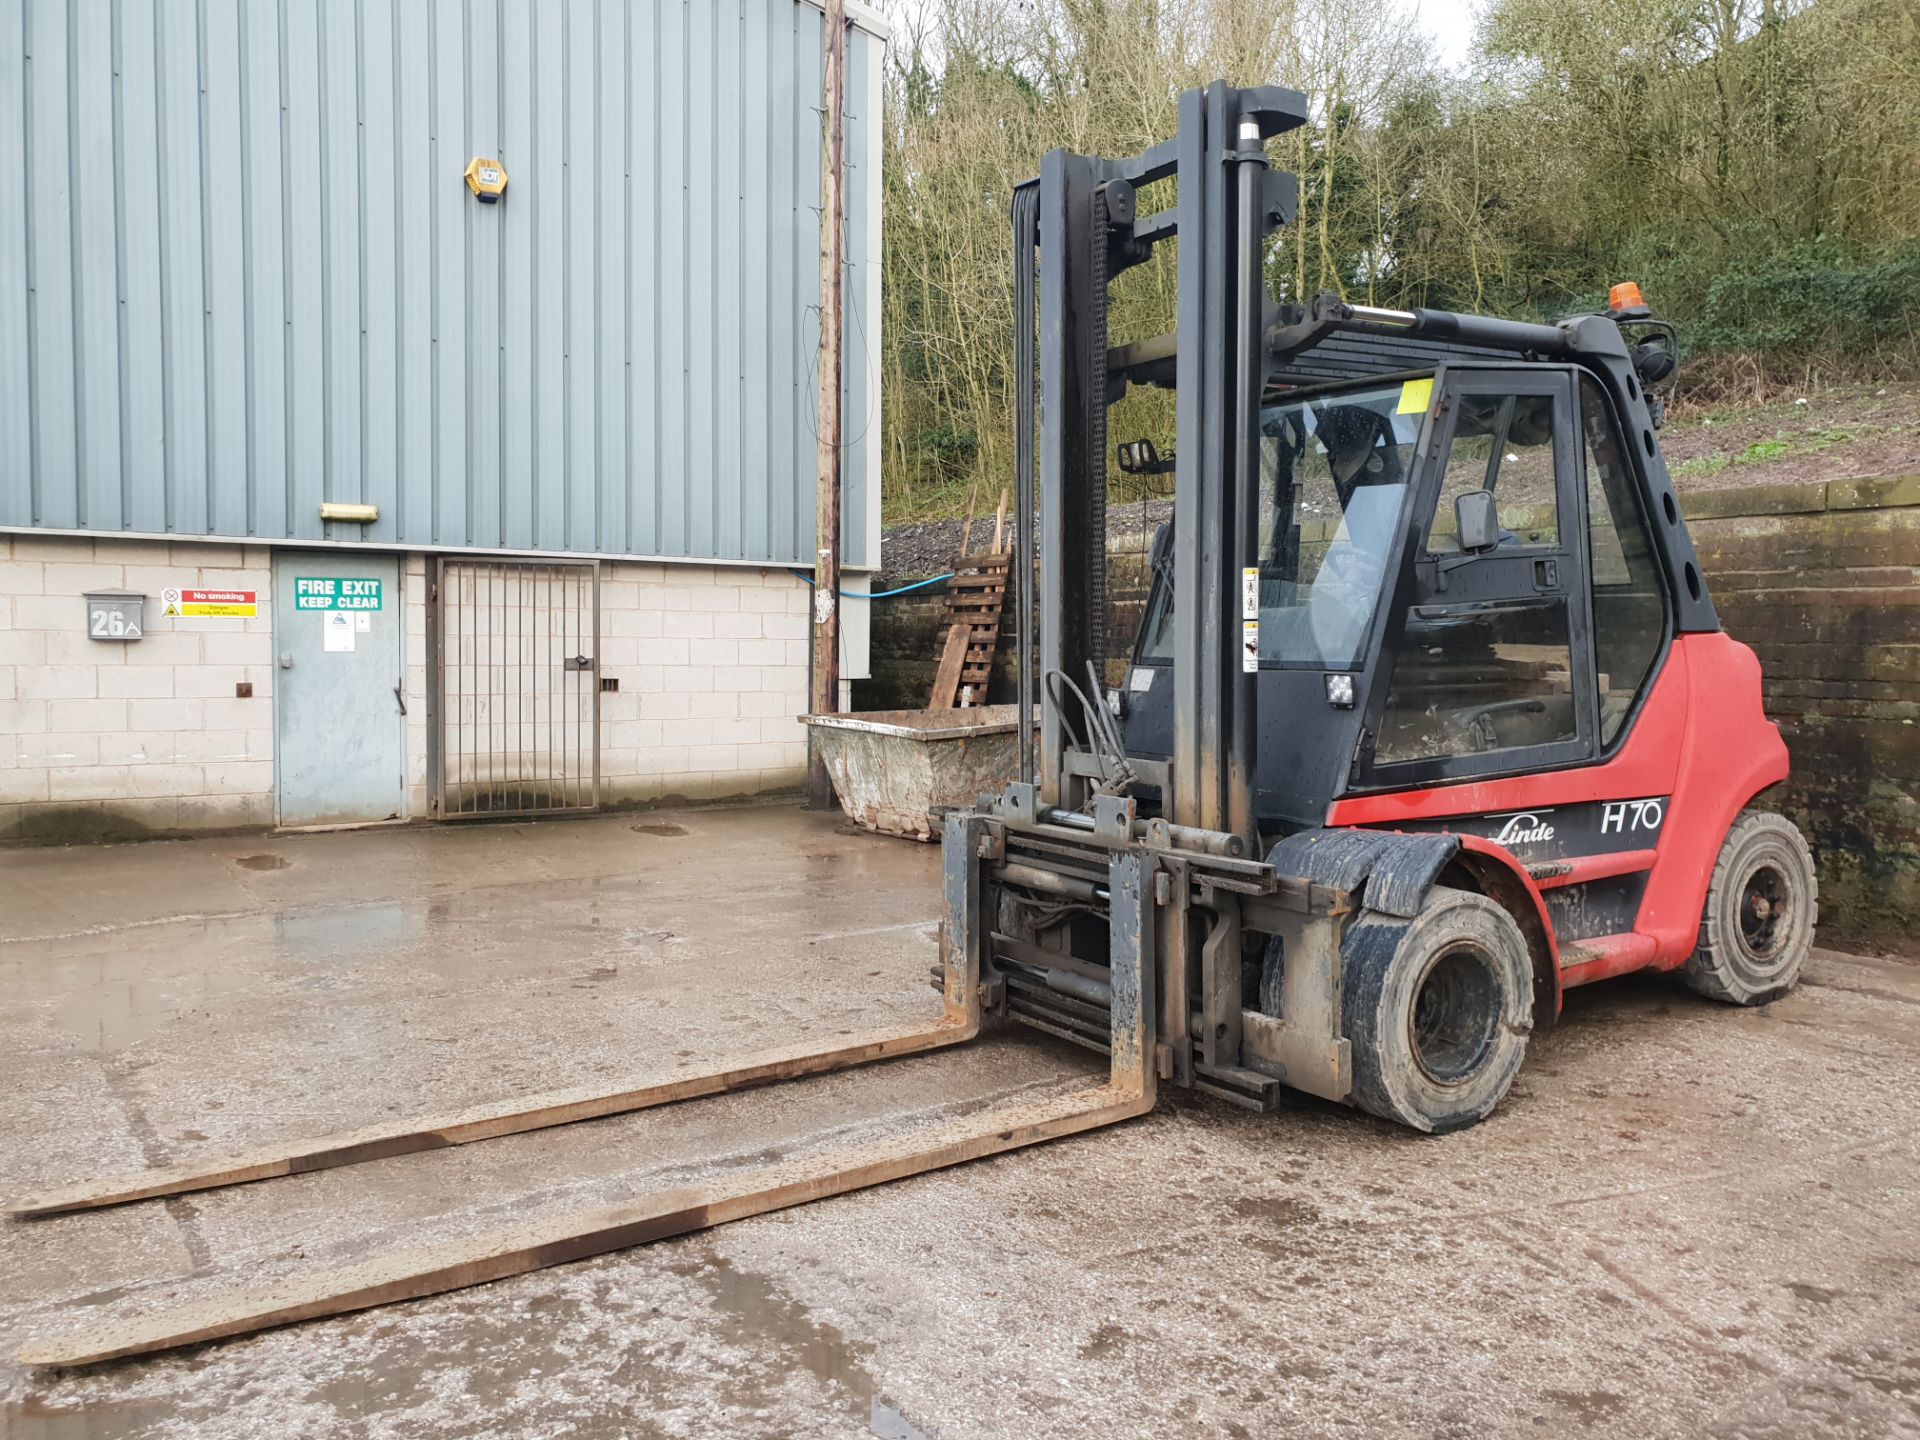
515, 675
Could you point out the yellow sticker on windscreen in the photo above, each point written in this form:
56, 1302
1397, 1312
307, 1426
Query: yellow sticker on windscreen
1415, 396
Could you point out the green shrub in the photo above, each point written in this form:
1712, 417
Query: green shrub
945, 450
1816, 297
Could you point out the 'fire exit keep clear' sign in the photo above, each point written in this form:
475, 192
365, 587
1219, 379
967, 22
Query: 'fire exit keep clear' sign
319, 592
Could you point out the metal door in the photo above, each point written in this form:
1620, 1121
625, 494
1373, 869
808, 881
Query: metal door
1495, 646
516, 687
339, 625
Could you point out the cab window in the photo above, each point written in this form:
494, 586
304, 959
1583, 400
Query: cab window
1502, 443
1333, 476
1629, 598
1483, 675
1334, 471
1477, 679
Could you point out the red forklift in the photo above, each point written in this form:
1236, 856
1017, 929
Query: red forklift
1429, 719
1427, 631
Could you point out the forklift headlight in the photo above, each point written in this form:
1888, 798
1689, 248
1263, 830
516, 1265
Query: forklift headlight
1652, 360
1340, 691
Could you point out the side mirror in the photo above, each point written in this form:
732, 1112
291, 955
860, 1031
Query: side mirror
1141, 457
1476, 521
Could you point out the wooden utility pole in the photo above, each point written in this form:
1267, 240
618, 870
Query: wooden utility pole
826, 570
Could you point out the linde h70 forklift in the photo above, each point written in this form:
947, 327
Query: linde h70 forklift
1430, 719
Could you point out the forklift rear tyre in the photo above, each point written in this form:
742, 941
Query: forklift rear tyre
1762, 905
1438, 1009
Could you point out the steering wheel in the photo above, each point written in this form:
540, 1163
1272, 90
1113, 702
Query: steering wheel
1477, 726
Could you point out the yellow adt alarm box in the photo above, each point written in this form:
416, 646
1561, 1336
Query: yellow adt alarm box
487, 179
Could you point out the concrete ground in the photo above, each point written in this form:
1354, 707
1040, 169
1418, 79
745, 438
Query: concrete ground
1686, 1220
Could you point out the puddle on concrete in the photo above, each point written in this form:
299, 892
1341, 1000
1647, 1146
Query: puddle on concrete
658, 828
36, 1419
395, 1381
126, 1001
391, 1390
889, 1424
117, 1014
350, 929
757, 1316
263, 862
401, 1379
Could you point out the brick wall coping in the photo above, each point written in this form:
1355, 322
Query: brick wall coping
1885, 492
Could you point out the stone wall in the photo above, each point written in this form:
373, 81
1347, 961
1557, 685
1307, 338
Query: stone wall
1822, 580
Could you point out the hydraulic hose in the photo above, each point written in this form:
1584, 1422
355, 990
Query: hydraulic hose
877, 594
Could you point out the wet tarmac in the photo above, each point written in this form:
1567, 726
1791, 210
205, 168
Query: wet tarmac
1687, 1220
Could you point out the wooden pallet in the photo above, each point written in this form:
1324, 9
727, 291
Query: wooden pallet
976, 599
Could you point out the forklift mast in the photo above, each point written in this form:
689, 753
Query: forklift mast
1081, 219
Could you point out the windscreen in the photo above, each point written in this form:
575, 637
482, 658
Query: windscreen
1333, 476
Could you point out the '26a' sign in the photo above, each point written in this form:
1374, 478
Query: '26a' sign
116, 617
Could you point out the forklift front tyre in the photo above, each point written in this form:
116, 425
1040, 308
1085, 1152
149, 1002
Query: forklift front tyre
1438, 1010
1762, 905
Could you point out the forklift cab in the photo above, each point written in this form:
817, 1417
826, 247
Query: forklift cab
1456, 580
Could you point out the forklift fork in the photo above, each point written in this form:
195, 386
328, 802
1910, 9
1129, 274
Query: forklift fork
487, 1122
959, 1022
1129, 1091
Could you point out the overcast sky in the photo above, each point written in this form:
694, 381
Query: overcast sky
1448, 24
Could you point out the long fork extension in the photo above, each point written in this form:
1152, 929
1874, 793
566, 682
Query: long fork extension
410, 1275
960, 944
1129, 1091
486, 1122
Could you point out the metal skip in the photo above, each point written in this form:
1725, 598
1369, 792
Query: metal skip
1128, 1092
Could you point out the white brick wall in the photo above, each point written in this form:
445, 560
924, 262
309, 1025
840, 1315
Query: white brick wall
413, 581
101, 738
712, 664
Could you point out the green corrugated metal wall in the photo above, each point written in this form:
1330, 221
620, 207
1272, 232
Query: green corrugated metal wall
240, 272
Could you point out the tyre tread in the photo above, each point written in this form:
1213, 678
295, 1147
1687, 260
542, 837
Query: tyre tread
1708, 970
1369, 955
